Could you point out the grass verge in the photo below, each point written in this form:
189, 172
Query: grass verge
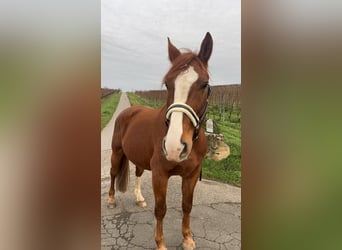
137, 100
108, 106
227, 170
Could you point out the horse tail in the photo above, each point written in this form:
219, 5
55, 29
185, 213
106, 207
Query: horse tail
123, 175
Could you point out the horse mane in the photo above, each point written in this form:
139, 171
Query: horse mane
181, 63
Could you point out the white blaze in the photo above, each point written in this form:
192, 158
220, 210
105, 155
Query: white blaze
137, 192
183, 84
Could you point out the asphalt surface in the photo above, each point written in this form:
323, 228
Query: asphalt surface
215, 216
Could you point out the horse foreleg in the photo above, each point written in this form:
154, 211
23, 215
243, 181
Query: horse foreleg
188, 186
159, 182
137, 188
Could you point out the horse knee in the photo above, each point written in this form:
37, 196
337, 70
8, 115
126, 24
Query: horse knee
160, 211
186, 208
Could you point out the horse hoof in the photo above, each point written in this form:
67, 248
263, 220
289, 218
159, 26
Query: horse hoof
111, 206
142, 203
188, 244
161, 248
188, 247
111, 202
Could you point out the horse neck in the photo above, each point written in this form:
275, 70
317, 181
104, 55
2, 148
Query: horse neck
162, 112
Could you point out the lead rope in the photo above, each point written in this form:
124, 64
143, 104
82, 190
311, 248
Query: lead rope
201, 120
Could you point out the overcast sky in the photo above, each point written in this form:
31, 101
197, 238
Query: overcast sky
134, 39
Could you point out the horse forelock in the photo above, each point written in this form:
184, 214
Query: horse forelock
182, 63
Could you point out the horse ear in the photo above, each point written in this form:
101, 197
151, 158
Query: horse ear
173, 51
206, 48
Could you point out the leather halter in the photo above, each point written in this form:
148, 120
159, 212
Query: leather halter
190, 113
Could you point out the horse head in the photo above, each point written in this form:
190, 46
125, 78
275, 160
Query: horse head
188, 87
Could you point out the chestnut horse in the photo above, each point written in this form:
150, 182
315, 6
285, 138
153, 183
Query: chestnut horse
168, 141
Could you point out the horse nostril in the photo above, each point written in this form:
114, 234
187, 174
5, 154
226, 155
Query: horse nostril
184, 151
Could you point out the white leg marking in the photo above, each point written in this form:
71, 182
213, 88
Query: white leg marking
183, 84
137, 191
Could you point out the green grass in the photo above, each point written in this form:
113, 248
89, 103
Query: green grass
227, 170
108, 106
137, 100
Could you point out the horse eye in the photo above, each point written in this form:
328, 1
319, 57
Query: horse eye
204, 85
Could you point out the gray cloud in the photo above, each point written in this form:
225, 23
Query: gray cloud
134, 39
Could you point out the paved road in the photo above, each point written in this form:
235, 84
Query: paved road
215, 217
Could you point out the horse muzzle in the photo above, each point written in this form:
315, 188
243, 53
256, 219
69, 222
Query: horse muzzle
177, 153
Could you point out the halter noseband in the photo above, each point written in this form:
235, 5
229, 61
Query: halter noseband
190, 113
